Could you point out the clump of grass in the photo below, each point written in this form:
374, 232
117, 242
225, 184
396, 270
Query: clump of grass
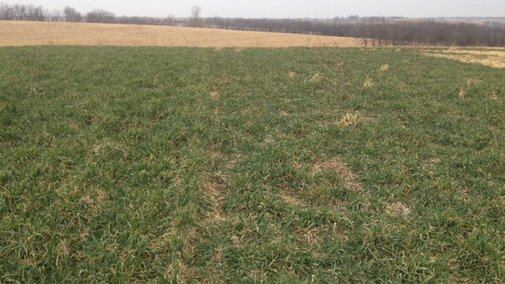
384, 67
463, 91
369, 83
494, 96
349, 119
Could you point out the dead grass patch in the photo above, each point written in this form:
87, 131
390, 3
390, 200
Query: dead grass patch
190, 238
491, 58
62, 251
89, 34
398, 209
348, 177
291, 200
369, 83
215, 96
161, 243
313, 236
494, 96
214, 192
384, 67
349, 119
315, 79
463, 91
283, 113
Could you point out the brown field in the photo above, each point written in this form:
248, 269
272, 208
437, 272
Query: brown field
490, 57
43, 33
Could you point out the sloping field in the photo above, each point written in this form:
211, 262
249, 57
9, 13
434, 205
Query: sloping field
176, 165
42, 33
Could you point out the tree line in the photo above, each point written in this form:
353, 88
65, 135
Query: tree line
372, 31
37, 13
377, 31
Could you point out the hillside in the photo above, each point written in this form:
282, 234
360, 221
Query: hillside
14, 33
325, 165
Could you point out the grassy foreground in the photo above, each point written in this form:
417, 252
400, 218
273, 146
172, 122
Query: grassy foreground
296, 165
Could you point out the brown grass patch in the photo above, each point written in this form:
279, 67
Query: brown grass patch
369, 83
494, 96
46, 33
62, 251
215, 96
491, 58
347, 175
384, 67
214, 192
188, 248
465, 87
398, 209
283, 113
291, 200
349, 119
315, 79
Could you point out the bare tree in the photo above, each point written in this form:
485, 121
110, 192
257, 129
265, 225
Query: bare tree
55, 16
100, 16
72, 15
195, 16
6, 12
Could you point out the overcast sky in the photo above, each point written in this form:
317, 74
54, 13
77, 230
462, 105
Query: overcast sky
285, 8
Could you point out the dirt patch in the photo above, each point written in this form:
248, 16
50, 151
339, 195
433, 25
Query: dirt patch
348, 176
14, 33
491, 58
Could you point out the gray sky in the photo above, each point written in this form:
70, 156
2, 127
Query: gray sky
285, 8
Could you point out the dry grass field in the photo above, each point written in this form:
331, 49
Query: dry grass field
489, 57
42, 33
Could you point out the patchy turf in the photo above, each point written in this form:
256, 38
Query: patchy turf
138, 164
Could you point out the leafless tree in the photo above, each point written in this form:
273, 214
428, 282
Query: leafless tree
72, 15
55, 16
6, 12
100, 16
195, 16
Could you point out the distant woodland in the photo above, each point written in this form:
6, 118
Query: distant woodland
372, 31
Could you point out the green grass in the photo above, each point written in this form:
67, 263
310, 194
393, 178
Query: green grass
117, 165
